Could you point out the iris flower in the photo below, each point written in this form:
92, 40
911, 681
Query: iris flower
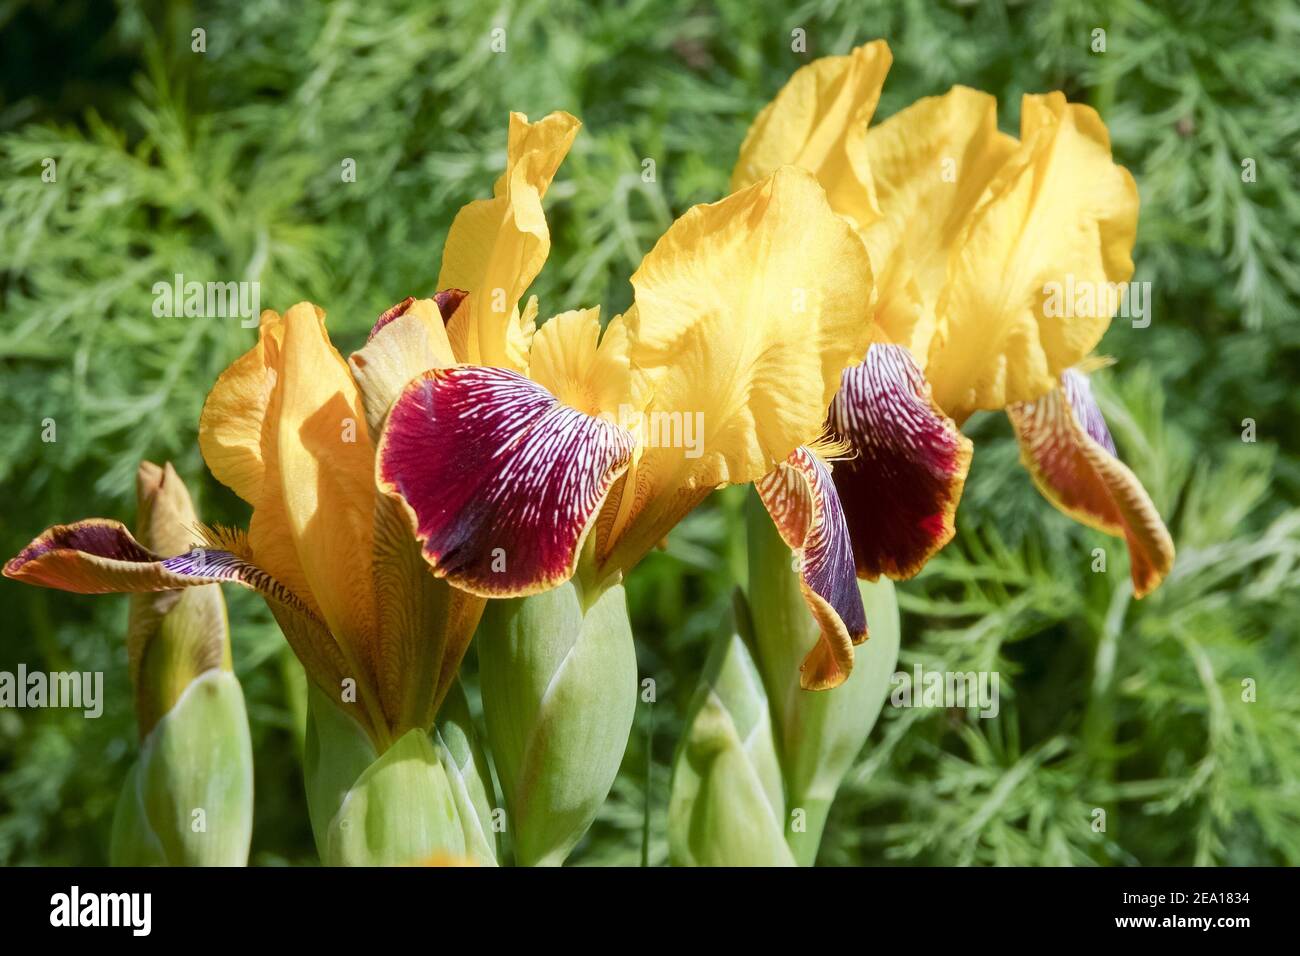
744, 314
969, 230
289, 428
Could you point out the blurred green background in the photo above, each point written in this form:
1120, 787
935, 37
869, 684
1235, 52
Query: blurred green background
225, 165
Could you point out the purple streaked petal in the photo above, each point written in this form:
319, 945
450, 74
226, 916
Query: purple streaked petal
800, 496
1068, 451
901, 486
502, 480
99, 556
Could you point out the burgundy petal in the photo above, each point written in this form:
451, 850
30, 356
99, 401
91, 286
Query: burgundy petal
901, 486
501, 479
800, 496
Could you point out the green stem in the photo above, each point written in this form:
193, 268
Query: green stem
649, 769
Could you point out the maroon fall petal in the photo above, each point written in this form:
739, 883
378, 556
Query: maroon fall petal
800, 496
901, 485
502, 481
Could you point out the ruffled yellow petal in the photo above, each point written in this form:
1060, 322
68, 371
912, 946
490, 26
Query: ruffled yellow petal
745, 314
497, 246
1060, 211
819, 122
230, 428
582, 368
931, 163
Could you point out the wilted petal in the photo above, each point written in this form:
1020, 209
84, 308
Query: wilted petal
1065, 444
801, 498
901, 486
503, 481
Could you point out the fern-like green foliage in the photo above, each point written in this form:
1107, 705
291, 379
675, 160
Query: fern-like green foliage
225, 166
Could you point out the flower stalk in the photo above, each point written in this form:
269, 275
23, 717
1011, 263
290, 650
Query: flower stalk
819, 733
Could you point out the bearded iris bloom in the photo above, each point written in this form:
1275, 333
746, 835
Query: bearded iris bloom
285, 427
969, 231
744, 314
288, 427
547, 464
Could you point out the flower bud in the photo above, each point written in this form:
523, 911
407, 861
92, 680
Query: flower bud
559, 693
726, 806
371, 809
819, 733
188, 800
173, 636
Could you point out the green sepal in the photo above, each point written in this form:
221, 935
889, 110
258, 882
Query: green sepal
401, 807
469, 775
559, 695
188, 799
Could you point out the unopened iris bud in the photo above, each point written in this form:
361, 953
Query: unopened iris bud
426, 797
727, 806
189, 797
559, 694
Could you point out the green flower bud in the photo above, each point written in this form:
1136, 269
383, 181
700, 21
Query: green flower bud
559, 693
369, 809
726, 806
819, 733
173, 636
188, 800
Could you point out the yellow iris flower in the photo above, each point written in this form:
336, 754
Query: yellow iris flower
972, 234
744, 314
288, 427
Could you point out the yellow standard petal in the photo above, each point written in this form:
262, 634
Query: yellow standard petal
325, 474
745, 314
496, 247
1060, 214
931, 163
819, 122
230, 428
582, 368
